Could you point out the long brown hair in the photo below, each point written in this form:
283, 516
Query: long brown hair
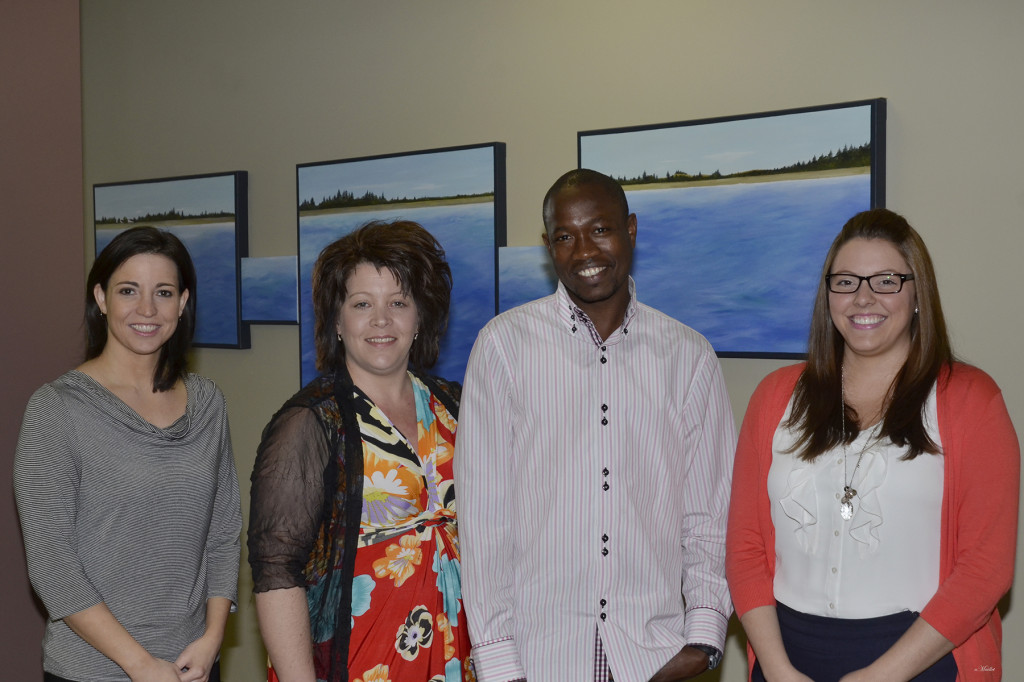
172, 363
816, 415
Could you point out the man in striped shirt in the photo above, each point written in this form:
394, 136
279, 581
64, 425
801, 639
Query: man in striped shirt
593, 465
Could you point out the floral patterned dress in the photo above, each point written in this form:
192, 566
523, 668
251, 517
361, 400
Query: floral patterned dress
407, 618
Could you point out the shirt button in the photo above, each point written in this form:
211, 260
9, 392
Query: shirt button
835, 570
604, 602
604, 538
604, 408
837, 496
603, 359
604, 471
604, 348
604, 421
605, 486
604, 551
603, 615
836, 533
832, 606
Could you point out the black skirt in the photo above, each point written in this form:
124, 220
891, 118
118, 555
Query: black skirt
825, 649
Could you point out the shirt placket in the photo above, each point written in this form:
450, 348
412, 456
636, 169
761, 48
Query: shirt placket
602, 414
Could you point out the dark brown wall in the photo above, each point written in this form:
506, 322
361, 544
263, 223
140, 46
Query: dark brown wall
41, 263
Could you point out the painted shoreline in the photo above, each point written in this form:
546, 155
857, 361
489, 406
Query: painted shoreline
454, 201
165, 223
778, 177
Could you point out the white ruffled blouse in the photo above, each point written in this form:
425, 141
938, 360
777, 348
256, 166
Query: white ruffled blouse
885, 559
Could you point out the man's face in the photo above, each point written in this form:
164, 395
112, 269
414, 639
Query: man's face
591, 246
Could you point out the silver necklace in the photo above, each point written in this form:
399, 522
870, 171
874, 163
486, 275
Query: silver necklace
849, 492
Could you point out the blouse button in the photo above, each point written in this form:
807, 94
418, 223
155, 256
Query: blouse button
605, 486
603, 359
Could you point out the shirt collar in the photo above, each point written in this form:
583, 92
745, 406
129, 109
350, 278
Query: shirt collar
579, 325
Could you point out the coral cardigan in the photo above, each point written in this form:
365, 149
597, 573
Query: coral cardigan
979, 512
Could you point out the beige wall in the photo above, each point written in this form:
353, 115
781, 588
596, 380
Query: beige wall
260, 85
41, 269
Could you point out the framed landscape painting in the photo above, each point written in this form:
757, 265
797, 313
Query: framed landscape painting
209, 213
456, 193
735, 214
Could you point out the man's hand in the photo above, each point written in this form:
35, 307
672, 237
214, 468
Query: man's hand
688, 663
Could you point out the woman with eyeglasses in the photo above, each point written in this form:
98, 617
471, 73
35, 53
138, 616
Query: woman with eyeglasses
872, 528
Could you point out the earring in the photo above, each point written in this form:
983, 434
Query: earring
415, 336
915, 310
339, 336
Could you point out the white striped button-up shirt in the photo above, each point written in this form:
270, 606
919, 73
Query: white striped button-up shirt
593, 483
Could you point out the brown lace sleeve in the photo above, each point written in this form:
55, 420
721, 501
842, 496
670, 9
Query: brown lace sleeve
286, 500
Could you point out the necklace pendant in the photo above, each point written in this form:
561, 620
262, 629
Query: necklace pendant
846, 509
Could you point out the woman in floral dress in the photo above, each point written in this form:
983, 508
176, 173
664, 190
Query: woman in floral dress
353, 540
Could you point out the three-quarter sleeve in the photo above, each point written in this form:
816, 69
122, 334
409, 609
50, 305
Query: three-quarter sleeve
223, 543
287, 498
46, 486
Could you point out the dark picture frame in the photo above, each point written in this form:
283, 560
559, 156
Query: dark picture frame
736, 213
209, 213
456, 193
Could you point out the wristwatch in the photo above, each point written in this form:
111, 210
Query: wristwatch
714, 655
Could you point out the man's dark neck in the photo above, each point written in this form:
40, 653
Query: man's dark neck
606, 316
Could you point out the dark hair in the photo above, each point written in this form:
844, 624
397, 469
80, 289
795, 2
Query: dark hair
820, 422
580, 177
173, 360
416, 260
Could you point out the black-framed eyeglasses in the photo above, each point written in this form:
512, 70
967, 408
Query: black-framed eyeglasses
885, 283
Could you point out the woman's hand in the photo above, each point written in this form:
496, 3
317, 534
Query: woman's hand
198, 658
156, 670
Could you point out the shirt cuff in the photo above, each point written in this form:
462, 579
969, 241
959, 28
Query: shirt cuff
706, 626
497, 660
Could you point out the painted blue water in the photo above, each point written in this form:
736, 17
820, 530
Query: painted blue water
738, 263
466, 232
212, 247
270, 289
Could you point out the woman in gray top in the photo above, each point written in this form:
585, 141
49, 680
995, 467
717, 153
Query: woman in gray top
126, 484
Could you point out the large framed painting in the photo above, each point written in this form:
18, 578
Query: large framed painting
209, 213
456, 193
735, 214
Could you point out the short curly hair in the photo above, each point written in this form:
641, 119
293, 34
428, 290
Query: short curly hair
417, 261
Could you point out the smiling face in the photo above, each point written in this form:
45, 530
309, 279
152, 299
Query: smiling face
142, 304
591, 245
377, 323
873, 325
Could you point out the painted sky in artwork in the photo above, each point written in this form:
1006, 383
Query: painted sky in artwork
192, 196
729, 147
434, 174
